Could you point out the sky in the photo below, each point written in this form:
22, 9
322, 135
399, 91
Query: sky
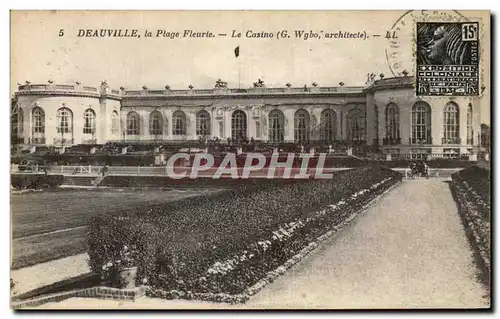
39, 53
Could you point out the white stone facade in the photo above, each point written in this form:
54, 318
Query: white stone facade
266, 114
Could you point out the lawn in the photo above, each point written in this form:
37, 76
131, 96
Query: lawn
36, 214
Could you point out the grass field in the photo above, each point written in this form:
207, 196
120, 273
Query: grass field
52, 224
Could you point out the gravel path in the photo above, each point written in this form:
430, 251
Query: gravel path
44, 274
408, 250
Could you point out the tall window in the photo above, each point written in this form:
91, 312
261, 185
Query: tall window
239, 125
356, 125
470, 131
276, 126
20, 121
133, 120
203, 123
221, 129
392, 121
451, 124
179, 123
115, 122
375, 111
64, 118
155, 123
420, 123
38, 120
301, 123
328, 125
89, 122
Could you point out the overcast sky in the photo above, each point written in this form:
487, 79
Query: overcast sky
40, 54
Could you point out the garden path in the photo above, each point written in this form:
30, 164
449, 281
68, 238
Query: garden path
408, 250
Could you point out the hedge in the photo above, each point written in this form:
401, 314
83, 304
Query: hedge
478, 178
471, 191
35, 181
433, 163
164, 181
179, 241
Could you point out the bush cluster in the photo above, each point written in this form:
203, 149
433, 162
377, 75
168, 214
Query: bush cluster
180, 240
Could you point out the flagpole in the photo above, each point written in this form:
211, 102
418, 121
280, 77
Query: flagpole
236, 55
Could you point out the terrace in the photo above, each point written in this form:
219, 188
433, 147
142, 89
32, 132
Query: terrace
81, 90
67, 89
245, 92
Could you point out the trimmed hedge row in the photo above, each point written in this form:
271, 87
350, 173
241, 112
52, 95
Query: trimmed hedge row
178, 242
164, 181
478, 178
35, 181
434, 163
471, 189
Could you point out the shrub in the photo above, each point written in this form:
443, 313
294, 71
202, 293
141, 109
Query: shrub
109, 239
181, 240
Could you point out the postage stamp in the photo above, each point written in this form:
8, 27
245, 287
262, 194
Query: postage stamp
447, 58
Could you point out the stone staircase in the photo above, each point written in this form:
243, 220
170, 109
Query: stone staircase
97, 180
74, 180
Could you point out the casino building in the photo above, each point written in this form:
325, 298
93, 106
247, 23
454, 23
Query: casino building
384, 113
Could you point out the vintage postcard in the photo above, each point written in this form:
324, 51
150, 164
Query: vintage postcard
250, 160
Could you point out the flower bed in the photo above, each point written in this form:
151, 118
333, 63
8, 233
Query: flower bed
470, 188
221, 245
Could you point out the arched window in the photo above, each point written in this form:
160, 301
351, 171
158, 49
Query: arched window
392, 124
203, 123
64, 119
89, 122
375, 128
38, 120
115, 123
133, 123
451, 124
328, 125
301, 122
239, 125
470, 130
276, 126
421, 123
155, 123
179, 123
356, 125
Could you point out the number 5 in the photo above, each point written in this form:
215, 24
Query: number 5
61, 32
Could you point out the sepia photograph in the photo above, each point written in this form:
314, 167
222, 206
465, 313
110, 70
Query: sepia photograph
242, 160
